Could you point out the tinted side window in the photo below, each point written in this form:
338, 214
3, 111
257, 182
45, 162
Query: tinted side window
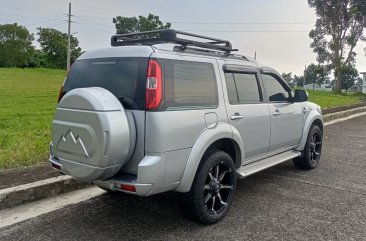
242, 88
189, 84
275, 91
231, 88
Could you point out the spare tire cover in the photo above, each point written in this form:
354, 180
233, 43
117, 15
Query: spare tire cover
93, 136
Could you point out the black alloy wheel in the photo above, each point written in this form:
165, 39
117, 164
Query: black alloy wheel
312, 152
213, 188
218, 188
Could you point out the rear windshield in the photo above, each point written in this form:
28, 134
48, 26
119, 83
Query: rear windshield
124, 77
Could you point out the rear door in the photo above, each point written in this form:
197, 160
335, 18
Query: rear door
246, 108
286, 116
125, 78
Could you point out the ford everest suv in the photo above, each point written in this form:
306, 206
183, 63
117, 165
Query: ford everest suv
172, 111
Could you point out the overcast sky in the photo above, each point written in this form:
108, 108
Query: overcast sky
276, 29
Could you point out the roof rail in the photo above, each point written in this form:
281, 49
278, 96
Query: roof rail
170, 36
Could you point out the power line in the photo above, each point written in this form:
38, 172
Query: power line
91, 26
29, 10
90, 22
55, 25
247, 23
48, 20
23, 16
249, 31
85, 16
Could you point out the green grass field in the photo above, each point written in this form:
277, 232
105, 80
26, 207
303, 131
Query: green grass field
329, 99
28, 98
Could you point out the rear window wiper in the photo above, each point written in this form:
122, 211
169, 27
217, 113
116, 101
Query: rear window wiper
128, 102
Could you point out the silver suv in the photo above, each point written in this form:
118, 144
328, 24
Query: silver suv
173, 111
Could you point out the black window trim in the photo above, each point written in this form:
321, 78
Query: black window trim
231, 68
283, 83
238, 69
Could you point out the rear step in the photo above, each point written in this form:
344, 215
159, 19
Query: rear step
258, 166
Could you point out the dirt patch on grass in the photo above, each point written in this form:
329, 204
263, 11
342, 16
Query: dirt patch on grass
342, 108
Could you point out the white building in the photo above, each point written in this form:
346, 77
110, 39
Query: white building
326, 86
364, 83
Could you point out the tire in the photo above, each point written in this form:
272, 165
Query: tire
213, 188
312, 151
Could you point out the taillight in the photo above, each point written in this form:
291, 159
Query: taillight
60, 93
125, 187
154, 88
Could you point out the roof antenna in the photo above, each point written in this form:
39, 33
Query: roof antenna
255, 55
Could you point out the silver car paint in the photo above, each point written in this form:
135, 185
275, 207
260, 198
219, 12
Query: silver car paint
286, 128
313, 113
255, 125
87, 131
127, 51
175, 141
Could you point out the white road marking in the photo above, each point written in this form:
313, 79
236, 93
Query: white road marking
30, 210
344, 118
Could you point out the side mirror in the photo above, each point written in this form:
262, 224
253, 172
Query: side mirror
278, 97
301, 96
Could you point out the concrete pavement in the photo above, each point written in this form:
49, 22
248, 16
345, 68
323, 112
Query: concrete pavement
282, 203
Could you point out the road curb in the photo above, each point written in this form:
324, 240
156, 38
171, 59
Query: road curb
17, 195
341, 114
22, 194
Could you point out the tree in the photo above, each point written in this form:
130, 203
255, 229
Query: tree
300, 80
54, 46
287, 77
126, 25
339, 26
316, 74
359, 81
15, 45
39, 59
349, 76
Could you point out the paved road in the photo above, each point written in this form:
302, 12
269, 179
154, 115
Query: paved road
282, 203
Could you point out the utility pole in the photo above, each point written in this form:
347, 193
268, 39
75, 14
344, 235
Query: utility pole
68, 39
305, 76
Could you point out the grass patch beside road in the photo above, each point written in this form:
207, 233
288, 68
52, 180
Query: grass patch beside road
329, 99
28, 98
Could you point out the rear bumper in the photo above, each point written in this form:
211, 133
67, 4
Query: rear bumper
142, 189
149, 179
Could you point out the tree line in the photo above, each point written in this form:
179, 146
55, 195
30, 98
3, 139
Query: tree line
340, 25
17, 49
317, 75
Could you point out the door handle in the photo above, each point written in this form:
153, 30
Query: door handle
236, 116
276, 113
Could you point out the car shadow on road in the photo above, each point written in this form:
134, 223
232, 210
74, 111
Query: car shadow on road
157, 217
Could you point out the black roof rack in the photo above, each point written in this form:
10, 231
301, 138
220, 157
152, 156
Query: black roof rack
170, 36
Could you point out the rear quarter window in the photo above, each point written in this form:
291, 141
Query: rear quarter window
188, 85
